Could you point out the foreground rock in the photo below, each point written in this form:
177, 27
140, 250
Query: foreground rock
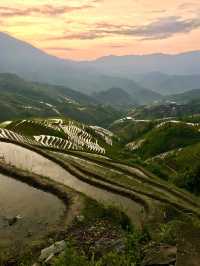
48, 253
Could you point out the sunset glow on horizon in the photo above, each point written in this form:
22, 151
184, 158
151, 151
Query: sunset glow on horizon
88, 29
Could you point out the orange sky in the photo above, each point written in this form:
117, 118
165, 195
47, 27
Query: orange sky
86, 29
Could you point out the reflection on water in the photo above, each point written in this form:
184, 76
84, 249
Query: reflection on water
33, 162
25, 212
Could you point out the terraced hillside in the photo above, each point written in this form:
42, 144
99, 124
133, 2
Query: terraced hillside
77, 138
166, 136
180, 166
62, 153
169, 148
59, 133
21, 99
129, 129
142, 196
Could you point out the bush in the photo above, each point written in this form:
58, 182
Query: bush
71, 258
94, 211
168, 233
190, 180
157, 170
130, 257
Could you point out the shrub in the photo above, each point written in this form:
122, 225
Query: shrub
71, 258
190, 180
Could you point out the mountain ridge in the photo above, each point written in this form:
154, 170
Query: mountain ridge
33, 64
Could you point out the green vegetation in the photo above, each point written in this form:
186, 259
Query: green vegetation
21, 99
131, 255
93, 211
190, 180
131, 130
180, 167
76, 255
160, 208
191, 118
185, 97
168, 137
166, 110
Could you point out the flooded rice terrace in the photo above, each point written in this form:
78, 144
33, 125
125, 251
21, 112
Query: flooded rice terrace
31, 161
25, 213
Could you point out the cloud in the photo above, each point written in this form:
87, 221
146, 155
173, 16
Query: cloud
160, 11
44, 10
90, 35
163, 28
64, 49
160, 29
116, 46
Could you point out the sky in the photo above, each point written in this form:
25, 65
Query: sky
88, 29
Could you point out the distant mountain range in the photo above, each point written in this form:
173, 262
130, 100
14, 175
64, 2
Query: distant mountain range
186, 97
179, 64
164, 74
118, 97
168, 84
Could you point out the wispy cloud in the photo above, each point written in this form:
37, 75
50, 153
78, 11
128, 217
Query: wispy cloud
62, 49
90, 35
116, 46
162, 28
44, 10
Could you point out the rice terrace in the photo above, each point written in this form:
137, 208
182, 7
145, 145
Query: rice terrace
68, 161
99, 133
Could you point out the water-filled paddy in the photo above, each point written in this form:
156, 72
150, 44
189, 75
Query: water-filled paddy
37, 213
31, 161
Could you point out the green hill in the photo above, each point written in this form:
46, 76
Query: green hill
185, 97
126, 96
180, 166
130, 130
167, 136
22, 99
166, 109
115, 97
